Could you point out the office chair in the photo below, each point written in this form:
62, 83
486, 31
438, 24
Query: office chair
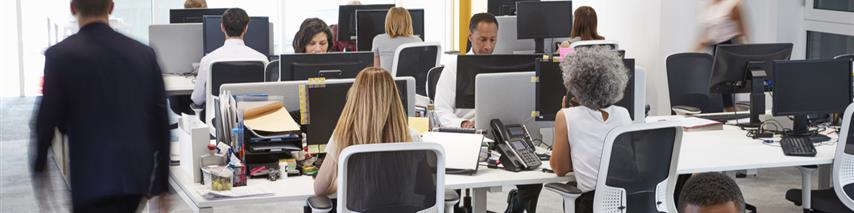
416, 59
271, 72
637, 172
688, 77
390, 177
840, 197
433, 79
230, 71
613, 44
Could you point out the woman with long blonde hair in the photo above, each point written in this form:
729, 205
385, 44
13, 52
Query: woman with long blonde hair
398, 31
372, 114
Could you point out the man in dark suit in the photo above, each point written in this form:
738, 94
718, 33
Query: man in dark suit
105, 92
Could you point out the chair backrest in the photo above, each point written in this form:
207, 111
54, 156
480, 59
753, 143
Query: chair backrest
843, 163
230, 71
613, 44
689, 76
433, 79
271, 73
416, 59
391, 177
224, 72
638, 169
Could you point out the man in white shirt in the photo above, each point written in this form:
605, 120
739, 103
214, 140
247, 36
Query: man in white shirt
483, 34
235, 22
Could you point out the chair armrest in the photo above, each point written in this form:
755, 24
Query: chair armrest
565, 190
686, 110
319, 204
451, 196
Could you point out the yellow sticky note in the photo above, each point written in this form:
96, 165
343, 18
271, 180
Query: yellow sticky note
420, 124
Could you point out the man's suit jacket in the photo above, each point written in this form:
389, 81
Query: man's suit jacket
105, 92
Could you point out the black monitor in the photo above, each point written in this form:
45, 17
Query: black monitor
257, 37
503, 7
469, 66
741, 68
193, 15
328, 100
301, 66
550, 90
347, 19
538, 20
730, 68
806, 87
370, 23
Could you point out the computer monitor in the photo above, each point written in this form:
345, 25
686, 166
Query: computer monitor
732, 61
507, 42
257, 37
469, 66
193, 15
347, 19
177, 46
550, 90
301, 66
539, 20
370, 23
503, 7
328, 100
806, 87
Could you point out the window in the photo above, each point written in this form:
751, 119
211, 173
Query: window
835, 5
10, 82
822, 45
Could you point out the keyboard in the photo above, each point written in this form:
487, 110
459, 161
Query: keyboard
797, 146
724, 117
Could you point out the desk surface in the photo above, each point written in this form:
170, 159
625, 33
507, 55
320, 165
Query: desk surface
730, 149
709, 151
178, 84
299, 188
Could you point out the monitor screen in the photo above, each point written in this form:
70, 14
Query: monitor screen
370, 23
503, 7
328, 100
729, 68
347, 19
811, 86
548, 19
550, 89
193, 15
257, 37
469, 66
302, 66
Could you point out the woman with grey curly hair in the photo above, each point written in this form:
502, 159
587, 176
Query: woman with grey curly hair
596, 77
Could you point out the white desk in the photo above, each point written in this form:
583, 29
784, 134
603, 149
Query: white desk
178, 84
710, 151
301, 187
730, 150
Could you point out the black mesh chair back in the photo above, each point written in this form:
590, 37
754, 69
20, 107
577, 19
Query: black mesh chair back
433, 79
271, 73
235, 72
688, 79
640, 173
416, 61
392, 180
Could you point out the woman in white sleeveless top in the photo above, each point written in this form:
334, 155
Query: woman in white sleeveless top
722, 23
596, 77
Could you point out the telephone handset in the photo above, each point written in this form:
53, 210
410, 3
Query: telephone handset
514, 143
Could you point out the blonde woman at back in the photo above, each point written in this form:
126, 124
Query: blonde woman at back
398, 28
372, 114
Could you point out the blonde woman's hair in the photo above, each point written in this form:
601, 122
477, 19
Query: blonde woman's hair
195, 4
373, 112
398, 22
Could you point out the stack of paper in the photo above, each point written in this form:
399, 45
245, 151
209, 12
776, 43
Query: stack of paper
235, 192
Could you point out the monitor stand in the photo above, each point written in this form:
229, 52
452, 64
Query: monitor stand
800, 128
757, 97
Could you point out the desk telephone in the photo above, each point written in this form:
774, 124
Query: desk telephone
514, 144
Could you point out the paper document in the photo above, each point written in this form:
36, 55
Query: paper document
235, 192
269, 117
